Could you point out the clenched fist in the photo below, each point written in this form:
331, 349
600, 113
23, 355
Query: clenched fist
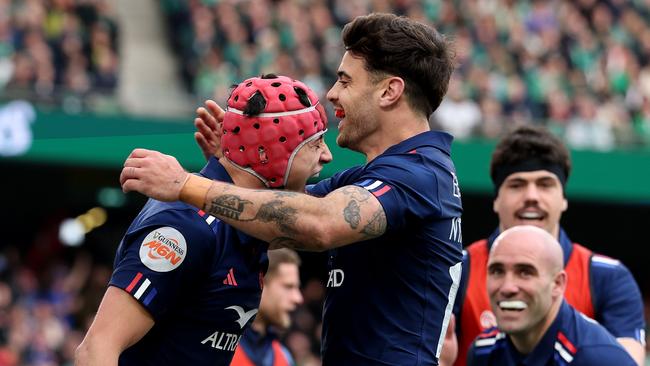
153, 174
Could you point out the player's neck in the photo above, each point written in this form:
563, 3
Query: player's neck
259, 325
395, 126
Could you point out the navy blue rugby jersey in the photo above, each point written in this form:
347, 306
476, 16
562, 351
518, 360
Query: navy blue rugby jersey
616, 297
200, 279
573, 339
389, 299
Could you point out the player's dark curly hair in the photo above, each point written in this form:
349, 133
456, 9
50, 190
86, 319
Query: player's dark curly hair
525, 143
400, 46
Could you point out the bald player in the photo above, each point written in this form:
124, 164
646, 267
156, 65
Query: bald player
526, 282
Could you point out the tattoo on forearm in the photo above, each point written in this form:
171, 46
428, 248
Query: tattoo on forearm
352, 214
356, 193
278, 193
228, 205
283, 194
376, 226
275, 211
232, 207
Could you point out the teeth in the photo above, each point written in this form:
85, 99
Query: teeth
530, 215
512, 305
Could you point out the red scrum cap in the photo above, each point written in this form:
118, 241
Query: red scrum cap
269, 118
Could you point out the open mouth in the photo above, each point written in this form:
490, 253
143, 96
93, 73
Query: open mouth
512, 305
530, 215
339, 113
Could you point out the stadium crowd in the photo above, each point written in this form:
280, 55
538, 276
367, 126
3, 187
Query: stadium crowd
49, 294
50, 50
580, 67
46, 303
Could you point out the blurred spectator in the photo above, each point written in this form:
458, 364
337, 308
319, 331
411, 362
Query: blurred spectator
586, 130
51, 49
39, 307
457, 114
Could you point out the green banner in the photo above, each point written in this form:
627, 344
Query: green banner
105, 141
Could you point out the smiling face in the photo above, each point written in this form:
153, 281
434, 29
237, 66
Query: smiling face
531, 198
525, 282
353, 97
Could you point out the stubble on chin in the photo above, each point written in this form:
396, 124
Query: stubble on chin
342, 141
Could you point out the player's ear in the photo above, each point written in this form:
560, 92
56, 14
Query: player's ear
559, 283
392, 90
495, 205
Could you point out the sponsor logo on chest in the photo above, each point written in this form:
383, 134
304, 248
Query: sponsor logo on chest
224, 341
336, 277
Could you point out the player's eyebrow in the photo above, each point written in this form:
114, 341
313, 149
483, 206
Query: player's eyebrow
342, 74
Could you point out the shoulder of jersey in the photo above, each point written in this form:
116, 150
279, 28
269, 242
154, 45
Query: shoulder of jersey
489, 338
164, 248
182, 208
604, 261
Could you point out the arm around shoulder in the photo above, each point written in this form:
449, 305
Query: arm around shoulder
347, 215
120, 322
289, 219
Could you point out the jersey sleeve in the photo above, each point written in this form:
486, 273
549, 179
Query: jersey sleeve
326, 186
409, 190
159, 261
617, 298
320, 189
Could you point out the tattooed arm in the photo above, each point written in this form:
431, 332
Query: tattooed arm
346, 215
287, 219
